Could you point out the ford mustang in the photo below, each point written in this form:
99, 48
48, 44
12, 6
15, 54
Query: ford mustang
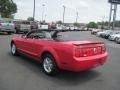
57, 50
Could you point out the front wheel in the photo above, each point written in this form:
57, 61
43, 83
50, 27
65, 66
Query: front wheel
9, 33
49, 66
118, 41
13, 49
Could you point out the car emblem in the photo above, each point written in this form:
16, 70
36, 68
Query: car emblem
95, 50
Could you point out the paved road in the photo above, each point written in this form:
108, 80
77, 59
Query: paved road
21, 73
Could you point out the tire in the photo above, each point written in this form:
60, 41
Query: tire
9, 33
13, 49
117, 41
48, 65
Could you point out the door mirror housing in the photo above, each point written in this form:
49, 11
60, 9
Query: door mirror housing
24, 36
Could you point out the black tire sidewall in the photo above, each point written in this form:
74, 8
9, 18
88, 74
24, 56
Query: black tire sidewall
14, 54
54, 70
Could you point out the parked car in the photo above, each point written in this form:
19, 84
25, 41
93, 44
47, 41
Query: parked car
117, 40
94, 31
113, 36
22, 26
106, 34
7, 26
99, 34
33, 25
55, 52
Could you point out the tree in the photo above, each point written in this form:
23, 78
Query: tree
7, 8
43, 22
30, 19
117, 23
59, 22
76, 24
92, 25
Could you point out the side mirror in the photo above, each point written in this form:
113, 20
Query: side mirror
24, 36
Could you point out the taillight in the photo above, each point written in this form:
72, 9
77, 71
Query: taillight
89, 51
80, 52
103, 48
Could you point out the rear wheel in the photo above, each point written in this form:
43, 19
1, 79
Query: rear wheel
13, 49
118, 40
9, 33
49, 66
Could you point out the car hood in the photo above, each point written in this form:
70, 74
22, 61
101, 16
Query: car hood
115, 35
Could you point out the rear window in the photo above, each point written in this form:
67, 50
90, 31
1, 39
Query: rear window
25, 22
16, 22
2, 21
33, 22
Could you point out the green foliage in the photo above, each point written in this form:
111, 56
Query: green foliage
42, 22
76, 24
117, 23
59, 22
92, 25
7, 8
30, 19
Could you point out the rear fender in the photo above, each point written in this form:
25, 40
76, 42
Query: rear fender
53, 53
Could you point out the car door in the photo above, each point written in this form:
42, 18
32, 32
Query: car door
22, 44
34, 43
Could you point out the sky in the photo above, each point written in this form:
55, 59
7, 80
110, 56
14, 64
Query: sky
88, 10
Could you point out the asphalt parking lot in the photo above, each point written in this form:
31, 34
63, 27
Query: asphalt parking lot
21, 73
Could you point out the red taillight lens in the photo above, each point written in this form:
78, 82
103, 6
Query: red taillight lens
78, 52
103, 48
89, 51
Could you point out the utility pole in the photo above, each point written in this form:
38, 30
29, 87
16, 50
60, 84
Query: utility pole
34, 11
114, 16
113, 11
43, 5
110, 16
64, 7
103, 22
76, 17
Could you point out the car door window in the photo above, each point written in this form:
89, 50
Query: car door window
36, 35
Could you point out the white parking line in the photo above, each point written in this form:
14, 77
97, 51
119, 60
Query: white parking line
113, 45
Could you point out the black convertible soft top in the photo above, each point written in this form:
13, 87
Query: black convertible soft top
56, 31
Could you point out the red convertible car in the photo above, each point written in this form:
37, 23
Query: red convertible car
57, 50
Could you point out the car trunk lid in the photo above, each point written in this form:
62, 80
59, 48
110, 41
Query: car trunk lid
87, 48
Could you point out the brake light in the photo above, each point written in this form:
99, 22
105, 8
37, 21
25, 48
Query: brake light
103, 48
79, 52
89, 51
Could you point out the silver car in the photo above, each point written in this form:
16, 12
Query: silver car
113, 36
117, 39
6, 26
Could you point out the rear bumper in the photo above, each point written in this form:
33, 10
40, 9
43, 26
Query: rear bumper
86, 63
7, 30
24, 30
111, 38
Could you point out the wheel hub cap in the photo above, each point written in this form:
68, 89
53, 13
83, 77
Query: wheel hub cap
48, 66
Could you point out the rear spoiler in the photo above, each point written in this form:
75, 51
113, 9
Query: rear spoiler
88, 43
59, 30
